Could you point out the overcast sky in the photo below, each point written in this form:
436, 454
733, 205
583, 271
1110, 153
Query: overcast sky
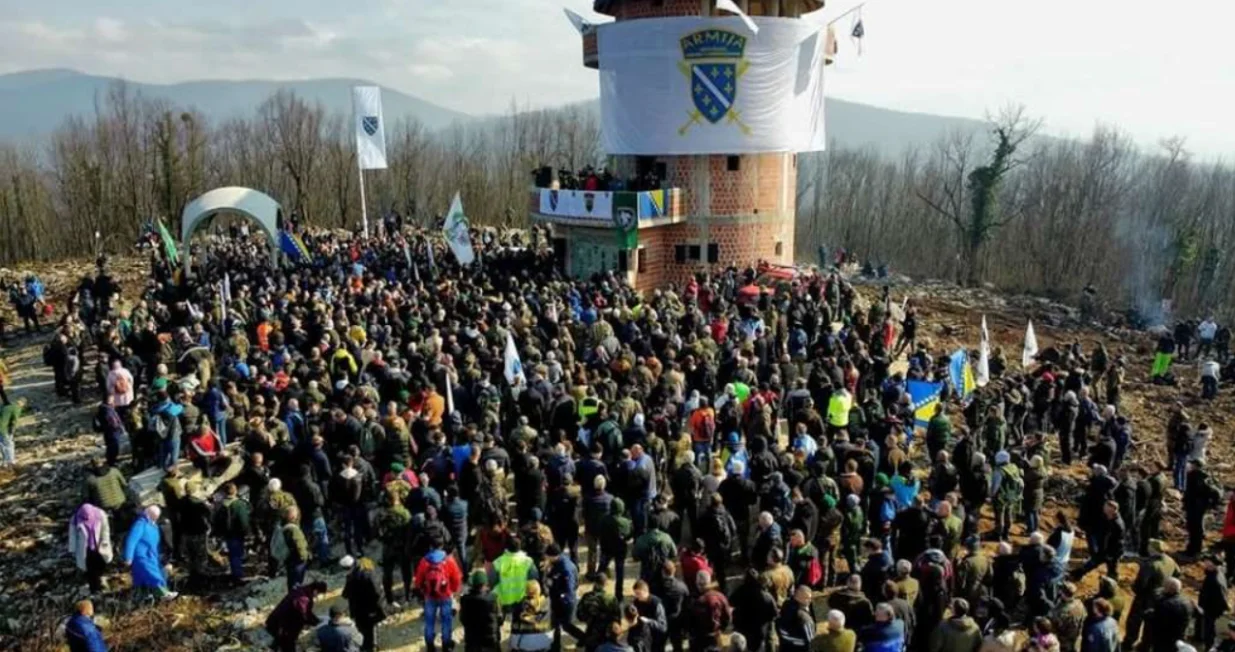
1156, 70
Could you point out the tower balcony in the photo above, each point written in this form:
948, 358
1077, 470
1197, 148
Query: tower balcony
620, 209
591, 57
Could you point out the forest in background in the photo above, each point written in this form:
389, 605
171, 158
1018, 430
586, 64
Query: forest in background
1049, 217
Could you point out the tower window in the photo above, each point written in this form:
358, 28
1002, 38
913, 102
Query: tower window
623, 260
641, 265
713, 252
679, 253
693, 252
780, 248
734, 163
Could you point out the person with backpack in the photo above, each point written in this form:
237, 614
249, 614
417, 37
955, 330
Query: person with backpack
438, 579
165, 423
1007, 492
232, 520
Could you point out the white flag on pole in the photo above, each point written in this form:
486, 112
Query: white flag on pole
1031, 347
370, 127
984, 356
450, 394
578, 21
458, 233
733, 8
514, 366
227, 286
429, 249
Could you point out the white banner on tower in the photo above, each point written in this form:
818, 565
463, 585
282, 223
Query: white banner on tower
696, 85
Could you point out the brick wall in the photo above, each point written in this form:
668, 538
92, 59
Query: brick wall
629, 9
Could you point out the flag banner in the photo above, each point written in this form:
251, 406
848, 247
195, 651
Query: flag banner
705, 85
578, 21
513, 365
984, 356
429, 250
733, 8
923, 398
291, 245
652, 204
370, 127
450, 394
1031, 347
227, 286
961, 375
577, 204
458, 232
169, 245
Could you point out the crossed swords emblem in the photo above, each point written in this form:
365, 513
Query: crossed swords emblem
694, 117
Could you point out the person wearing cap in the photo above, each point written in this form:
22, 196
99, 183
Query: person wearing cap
363, 593
480, 615
1007, 493
1068, 617
339, 634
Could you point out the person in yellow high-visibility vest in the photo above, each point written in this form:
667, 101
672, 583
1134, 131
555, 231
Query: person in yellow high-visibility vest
839, 405
512, 571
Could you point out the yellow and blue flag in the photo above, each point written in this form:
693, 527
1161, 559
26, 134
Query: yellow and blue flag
923, 398
961, 375
291, 245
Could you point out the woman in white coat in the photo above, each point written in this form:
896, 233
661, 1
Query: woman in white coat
90, 544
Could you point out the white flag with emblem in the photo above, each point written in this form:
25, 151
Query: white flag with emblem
1031, 347
513, 365
984, 356
458, 232
370, 127
733, 8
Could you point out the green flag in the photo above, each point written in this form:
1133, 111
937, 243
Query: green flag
169, 245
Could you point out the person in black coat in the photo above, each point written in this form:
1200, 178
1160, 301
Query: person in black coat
740, 497
365, 601
754, 609
1111, 536
1171, 615
909, 531
530, 489
876, 570
673, 595
480, 615
1212, 600
454, 517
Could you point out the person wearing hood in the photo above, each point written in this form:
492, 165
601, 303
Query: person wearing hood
82, 633
959, 633
141, 555
438, 579
616, 531
754, 610
90, 544
531, 622
1007, 492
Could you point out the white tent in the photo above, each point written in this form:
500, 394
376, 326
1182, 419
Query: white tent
254, 204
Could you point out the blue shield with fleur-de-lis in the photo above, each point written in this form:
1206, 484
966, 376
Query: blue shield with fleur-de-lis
713, 56
714, 86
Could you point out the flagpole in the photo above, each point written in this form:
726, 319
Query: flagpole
850, 11
364, 208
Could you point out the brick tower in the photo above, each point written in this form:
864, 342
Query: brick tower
716, 208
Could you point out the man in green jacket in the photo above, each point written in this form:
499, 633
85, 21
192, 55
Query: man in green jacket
957, 634
9, 415
652, 550
939, 432
232, 524
104, 486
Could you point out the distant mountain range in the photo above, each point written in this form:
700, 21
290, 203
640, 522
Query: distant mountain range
34, 103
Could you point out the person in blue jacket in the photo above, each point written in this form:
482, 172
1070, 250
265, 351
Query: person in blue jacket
886, 634
141, 555
83, 635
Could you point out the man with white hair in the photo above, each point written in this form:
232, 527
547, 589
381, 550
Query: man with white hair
687, 485
887, 634
1172, 615
141, 555
834, 637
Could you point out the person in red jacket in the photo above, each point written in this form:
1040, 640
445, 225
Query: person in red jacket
1228, 530
693, 561
438, 579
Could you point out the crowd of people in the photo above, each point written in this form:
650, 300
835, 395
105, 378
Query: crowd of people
593, 180
481, 429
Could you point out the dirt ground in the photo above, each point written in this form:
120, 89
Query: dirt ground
54, 441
